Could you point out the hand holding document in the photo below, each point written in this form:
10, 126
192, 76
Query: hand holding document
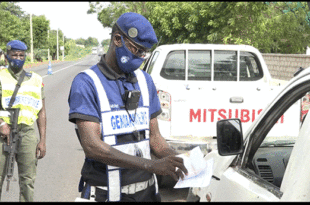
199, 170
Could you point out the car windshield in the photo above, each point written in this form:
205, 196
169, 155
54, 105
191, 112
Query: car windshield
282, 140
283, 135
279, 142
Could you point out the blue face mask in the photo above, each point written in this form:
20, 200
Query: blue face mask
15, 64
127, 61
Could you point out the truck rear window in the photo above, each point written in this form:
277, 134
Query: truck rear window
225, 66
250, 68
174, 66
199, 65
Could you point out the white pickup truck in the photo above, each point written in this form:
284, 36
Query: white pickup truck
256, 166
199, 84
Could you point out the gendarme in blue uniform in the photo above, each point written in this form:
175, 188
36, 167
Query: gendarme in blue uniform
83, 102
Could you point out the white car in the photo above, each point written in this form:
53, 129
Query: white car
256, 165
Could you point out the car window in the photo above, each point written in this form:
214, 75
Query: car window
152, 62
269, 155
225, 66
174, 66
250, 68
199, 65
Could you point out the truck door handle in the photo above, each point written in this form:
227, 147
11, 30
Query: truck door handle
236, 100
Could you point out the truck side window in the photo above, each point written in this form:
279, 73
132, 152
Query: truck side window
199, 65
174, 66
225, 66
250, 68
153, 60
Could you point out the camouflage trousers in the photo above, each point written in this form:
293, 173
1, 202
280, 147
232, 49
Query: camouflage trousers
26, 163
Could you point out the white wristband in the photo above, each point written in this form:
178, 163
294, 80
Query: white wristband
2, 123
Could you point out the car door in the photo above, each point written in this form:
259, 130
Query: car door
258, 174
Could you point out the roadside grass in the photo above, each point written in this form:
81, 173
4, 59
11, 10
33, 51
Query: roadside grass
36, 63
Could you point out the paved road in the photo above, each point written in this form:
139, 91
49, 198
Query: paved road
59, 171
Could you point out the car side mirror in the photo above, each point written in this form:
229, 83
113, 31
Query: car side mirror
229, 137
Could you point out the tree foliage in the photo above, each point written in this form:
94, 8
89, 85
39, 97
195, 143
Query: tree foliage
15, 24
105, 42
52, 43
89, 42
12, 8
268, 26
10, 28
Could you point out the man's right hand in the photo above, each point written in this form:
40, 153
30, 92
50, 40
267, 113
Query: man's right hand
168, 165
5, 133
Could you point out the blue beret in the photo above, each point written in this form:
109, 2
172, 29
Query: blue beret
137, 28
16, 45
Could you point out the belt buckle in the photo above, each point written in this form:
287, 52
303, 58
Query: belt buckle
141, 186
131, 188
136, 187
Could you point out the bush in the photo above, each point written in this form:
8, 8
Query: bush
74, 52
40, 54
28, 59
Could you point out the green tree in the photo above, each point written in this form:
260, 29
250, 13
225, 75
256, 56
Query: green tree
80, 41
91, 42
105, 42
15, 24
11, 7
52, 43
262, 25
40, 27
74, 51
10, 28
108, 15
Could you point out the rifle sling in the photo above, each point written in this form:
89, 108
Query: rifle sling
20, 80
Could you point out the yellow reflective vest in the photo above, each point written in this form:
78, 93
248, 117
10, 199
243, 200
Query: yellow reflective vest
28, 97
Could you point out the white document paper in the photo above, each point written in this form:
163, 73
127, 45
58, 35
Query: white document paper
199, 170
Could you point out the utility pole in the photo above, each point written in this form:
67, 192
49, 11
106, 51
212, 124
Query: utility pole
48, 40
31, 39
63, 50
57, 47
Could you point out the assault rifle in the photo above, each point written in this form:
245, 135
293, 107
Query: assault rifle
11, 149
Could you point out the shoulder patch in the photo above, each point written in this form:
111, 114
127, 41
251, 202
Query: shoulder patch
28, 74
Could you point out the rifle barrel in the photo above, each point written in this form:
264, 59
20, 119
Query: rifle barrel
8, 185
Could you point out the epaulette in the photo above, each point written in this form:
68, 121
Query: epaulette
28, 74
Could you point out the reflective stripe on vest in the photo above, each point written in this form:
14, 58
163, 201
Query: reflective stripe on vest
28, 97
118, 122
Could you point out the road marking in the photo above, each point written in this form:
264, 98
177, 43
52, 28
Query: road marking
64, 68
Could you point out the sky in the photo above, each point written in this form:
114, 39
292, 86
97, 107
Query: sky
70, 17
